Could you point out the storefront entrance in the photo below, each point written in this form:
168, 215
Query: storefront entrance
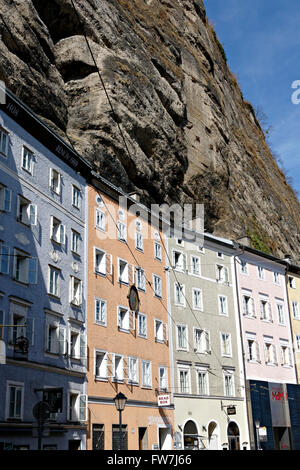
282, 438
233, 434
190, 436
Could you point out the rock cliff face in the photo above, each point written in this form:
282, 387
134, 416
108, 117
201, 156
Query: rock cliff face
189, 135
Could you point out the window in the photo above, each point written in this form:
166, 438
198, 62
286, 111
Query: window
52, 338
253, 350
295, 309
100, 219
77, 410
280, 313
222, 273
197, 299
285, 355
182, 342
248, 306
54, 281
146, 367
54, 181
75, 291
265, 310
157, 285
201, 249
101, 360
179, 241
226, 344
202, 382
229, 384
3, 142
76, 195
74, 344
179, 261
122, 231
220, 255
123, 271
179, 294
201, 341
139, 241
276, 278
159, 331
25, 267
123, 318
163, 378
292, 283
142, 325
100, 312
4, 258
140, 279
57, 231
27, 160
118, 368
261, 272
223, 305
195, 265
184, 381
75, 242
157, 251
5, 198
100, 261
15, 393
270, 353
26, 212
133, 375
244, 267
116, 437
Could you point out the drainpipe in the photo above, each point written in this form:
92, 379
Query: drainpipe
242, 342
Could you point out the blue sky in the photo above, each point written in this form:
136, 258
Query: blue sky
261, 39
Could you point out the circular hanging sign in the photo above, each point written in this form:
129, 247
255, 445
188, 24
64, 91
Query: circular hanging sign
133, 299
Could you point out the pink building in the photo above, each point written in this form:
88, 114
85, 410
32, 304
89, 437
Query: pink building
265, 319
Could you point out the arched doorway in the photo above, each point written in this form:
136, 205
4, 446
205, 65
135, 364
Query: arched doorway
190, 436
213, 436
233, 434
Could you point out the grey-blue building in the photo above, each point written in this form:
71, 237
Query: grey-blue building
43, 249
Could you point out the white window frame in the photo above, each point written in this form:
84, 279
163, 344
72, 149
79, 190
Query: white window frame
102, 311
55, 292
118, 368
77, 415
280, 305
184, 338
158, 330
180, 265
296, 310
75, 291
202, 346
187, 373
221, 305
5, 133
28, 268
163, 379
133, 374
269, 346
122, 231
223, 344
5, 198
55, 181
232, 384
143, 317
123, 321
248, 307
140, 278
75, 242
253, 350
103, 369
27, 160
244, 268
20, 386
222, 274
179, 294
57, 231
291, 282
285, 354
123, 275
146, 374
265, 310
101, 268
139, 241
157, 251
261, 273
157, 285
4, 258
193, 272
204, 372
195, 306
276, 278
26, 212
100, 219
76, 197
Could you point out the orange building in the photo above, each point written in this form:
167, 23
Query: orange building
128, 348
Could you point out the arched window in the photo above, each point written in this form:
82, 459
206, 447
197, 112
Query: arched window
233, 434
213, 436
190, 435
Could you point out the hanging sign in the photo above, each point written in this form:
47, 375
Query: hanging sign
163, 400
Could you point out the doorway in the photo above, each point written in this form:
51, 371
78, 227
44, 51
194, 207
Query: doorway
213, 436
233, 435
282, 438
190, 436
143, 439
165, 439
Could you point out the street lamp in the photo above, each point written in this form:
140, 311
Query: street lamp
257, 424
120, 401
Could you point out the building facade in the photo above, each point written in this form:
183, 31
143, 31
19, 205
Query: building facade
293, 289
43, 285
267, 346
209, 393
128, 346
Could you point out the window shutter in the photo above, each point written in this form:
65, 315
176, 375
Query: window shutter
274, 354
7, 200
51, 226
252, 307
62, 234
83, 402
108, 261
165, 331
62, 340
226, 277
132, 320
83, 348
207, 342
257, 351
32, 270
30, 330
244, 305
46, 336
290, 357
32, 214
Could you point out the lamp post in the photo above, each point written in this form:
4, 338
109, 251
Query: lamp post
257, 424
120, 401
